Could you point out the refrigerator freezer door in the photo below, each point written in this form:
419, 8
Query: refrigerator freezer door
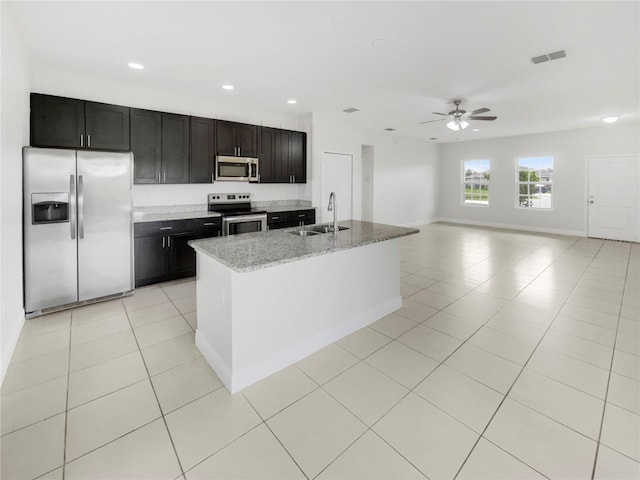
50, 260
105, 231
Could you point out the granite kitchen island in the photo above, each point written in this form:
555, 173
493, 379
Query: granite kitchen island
268, 299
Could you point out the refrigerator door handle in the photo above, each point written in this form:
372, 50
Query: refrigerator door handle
72, 205
80, 207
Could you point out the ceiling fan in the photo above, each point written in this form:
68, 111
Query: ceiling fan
458, 118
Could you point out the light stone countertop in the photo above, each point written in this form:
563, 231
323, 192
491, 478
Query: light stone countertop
253, 251
184, 212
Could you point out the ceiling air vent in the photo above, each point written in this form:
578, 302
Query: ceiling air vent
557, 55
351, 110
390, 129
548, 56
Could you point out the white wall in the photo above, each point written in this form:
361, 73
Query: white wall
14, 131
569, 149
405, 170
54, 82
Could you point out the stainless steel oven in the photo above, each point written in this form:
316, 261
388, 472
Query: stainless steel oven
237, 224
237, 169
237, 214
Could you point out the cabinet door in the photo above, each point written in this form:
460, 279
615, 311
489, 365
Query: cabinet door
202, 150
267, 172
150, 260
175, 148
146, 145
182, 258
247, 140
298, 156
56, 121
106, 126
226, 138
281, 156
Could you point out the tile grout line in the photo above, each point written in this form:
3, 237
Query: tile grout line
164, 420
524, 366
66, 406
613, 354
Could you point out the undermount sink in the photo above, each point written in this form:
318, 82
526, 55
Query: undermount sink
326, 228
304, 233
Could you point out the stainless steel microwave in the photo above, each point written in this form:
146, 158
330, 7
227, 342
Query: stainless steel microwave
237, 169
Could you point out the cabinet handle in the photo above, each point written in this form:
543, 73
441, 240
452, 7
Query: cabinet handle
166, 228
212, 178
301, 215
168, 242
275, 218
88, 140
164, 177
81, 140
159, 178
208, 224
294, 179
239, 151
163, 241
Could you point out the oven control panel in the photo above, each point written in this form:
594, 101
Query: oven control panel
228, 198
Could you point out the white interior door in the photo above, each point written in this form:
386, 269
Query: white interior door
614, 203
337, 176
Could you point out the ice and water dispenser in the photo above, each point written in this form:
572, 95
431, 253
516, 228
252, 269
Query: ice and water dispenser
49, 207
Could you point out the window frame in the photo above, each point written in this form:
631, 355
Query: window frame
518, 182
471, 203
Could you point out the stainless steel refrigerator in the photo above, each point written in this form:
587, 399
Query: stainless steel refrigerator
78, 233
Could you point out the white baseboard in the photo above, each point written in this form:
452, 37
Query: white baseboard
509, 226
9, 345
418, 223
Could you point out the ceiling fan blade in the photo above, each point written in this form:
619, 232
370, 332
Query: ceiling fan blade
431, 121
438, 113
475, 117
480, 110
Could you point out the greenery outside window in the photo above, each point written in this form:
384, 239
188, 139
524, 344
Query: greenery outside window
476, 176
535, 182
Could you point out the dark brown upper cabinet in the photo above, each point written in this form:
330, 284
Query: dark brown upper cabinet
71, 123
202, 150
175, 148
282, 156
146, 145
236, 139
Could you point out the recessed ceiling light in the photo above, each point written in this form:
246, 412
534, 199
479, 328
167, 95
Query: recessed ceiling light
291, 101
135, 66
475, 130
227, 87
610, 119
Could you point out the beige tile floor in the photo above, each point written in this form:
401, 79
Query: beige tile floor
514, 356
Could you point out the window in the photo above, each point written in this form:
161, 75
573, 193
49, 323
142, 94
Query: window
475, 181
535, 178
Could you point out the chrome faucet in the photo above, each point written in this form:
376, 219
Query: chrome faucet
333, 207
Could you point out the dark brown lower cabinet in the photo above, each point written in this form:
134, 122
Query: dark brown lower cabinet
291, 218
162, 251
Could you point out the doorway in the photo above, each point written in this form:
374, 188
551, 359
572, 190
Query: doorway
337, 176
614, 202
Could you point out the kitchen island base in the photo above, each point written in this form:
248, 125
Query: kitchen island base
253, 324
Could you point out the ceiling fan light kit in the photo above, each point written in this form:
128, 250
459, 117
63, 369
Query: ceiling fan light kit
457, 124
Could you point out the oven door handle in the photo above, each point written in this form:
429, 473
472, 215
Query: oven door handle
245, 218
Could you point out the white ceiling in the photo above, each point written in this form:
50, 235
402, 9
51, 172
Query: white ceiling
395, 61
